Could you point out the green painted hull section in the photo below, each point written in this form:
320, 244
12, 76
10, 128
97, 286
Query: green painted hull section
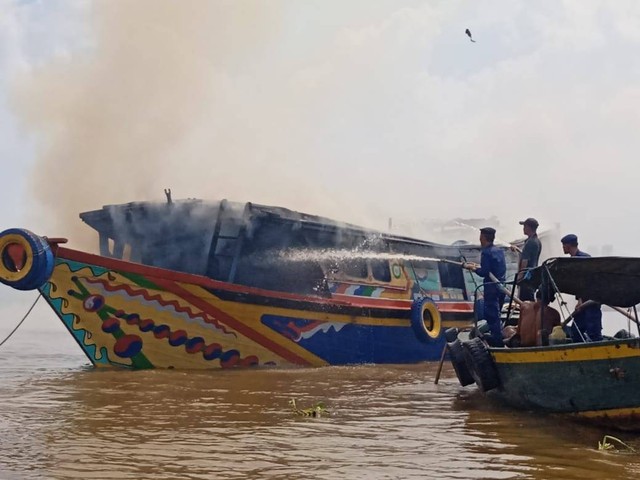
573, 386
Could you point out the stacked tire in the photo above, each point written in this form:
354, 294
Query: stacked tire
480, 364
459, 362
26, 260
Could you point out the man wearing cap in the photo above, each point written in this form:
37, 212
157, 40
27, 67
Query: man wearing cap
492, 263
588, 319
529, 256
570, 246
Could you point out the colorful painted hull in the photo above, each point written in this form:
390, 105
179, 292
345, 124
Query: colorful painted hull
599, 381
131, 315
197, 284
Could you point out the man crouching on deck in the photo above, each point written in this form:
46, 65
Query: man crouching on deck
492, 261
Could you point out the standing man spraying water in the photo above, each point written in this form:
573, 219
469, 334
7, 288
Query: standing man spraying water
492, 261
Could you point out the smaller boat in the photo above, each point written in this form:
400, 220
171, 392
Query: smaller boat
596, 381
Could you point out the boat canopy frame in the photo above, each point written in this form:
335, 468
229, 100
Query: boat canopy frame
613, 281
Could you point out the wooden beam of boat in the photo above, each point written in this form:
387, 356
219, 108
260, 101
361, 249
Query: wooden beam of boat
625, 313
575, 312
591, 302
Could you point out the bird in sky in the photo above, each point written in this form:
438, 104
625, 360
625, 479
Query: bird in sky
468, 32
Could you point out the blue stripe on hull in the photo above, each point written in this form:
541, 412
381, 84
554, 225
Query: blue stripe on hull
350, 343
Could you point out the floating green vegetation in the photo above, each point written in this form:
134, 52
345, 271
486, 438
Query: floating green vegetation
606, 445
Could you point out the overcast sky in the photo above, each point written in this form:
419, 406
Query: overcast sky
357, 110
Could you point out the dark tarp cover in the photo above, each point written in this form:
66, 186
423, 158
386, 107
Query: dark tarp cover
612, 281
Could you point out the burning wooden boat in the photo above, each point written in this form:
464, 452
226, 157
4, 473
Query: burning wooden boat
597, 381
195, 284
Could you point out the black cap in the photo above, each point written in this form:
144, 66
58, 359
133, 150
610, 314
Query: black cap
532, 222
488, 230
570, 239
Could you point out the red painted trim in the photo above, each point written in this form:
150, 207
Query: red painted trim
465, 307
174, 276
403, 304
168, 279
373, 302
367, 283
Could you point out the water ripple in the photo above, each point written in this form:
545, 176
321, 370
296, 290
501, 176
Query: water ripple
61, 420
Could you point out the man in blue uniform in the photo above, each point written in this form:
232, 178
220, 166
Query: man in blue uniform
588, 320
492, 263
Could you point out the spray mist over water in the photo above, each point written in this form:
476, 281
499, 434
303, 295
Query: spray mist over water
497, 240
330, 255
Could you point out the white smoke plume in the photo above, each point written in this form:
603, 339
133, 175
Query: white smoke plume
357, 111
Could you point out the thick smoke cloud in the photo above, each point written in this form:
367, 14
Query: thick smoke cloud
354, 111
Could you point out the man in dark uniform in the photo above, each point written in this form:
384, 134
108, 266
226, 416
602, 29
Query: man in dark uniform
529, 256
588, 320
492, 262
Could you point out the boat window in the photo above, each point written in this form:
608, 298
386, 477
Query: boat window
380, 270
355, 267
427, 275
451, 275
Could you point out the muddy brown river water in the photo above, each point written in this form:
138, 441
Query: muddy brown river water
61, 419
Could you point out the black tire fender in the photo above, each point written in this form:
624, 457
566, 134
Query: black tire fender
480, 364
456, 355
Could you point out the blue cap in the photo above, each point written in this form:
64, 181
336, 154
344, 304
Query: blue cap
570, 239
488, 230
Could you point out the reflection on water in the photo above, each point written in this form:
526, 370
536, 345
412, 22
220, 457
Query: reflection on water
62, 419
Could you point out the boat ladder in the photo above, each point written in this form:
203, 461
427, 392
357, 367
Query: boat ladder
226, 242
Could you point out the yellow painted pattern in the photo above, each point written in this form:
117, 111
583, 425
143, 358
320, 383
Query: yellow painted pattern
195, 322
575, 353
256, 310
157, 351
240, 310
251, 315
85, 321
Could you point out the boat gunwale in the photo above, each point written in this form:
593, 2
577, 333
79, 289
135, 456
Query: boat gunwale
569, 352
211, 284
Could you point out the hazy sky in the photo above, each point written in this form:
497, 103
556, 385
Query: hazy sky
358, 110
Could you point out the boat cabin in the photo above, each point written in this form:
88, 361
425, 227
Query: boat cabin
280, 249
